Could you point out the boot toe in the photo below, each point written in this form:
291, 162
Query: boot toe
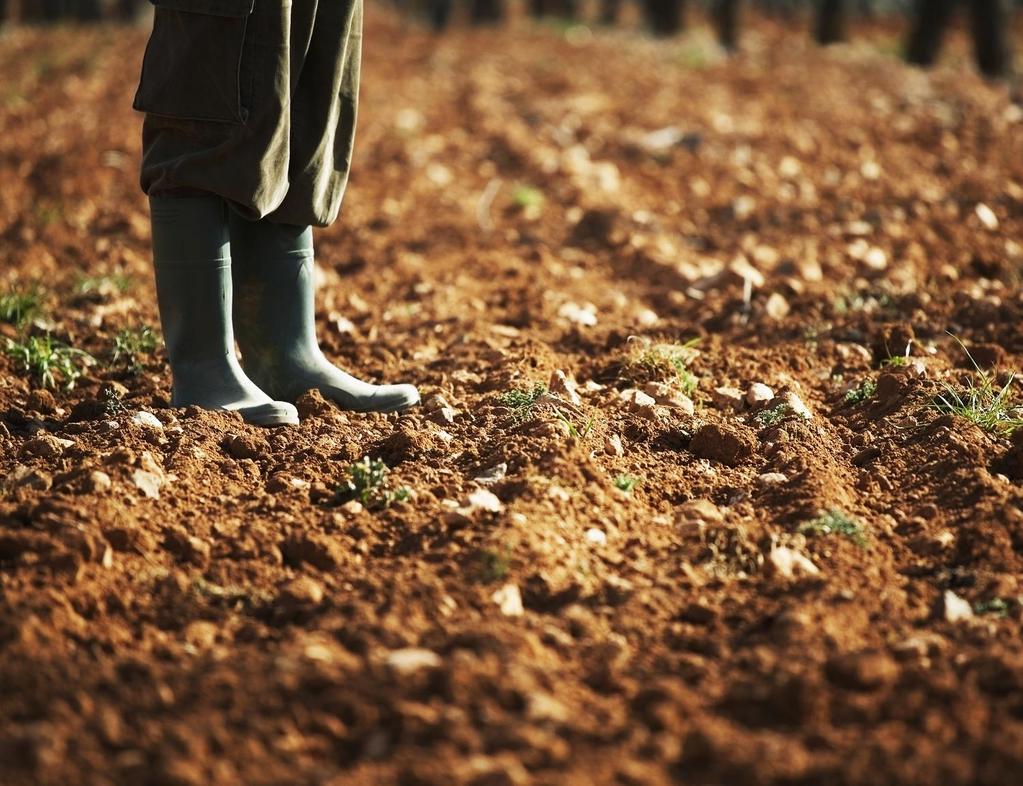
272, 413
395, 398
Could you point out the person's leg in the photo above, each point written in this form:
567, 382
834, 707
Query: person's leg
930, 20
276, 323
991, 23
192, 262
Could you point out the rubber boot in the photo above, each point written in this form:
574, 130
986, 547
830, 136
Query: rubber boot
276, 324
192, 259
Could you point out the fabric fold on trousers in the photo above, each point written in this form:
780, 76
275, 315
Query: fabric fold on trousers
253, 101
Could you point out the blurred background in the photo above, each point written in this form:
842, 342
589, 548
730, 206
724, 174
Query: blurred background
830, 21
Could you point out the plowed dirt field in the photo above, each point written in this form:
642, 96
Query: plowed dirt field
706, 488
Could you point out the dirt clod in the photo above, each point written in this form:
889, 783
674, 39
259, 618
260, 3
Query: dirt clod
729, 444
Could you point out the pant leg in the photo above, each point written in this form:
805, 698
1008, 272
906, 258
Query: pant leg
324, 105
228, 134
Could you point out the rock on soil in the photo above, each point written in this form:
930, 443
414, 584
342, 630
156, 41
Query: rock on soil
789, 563
758, 393
954, 608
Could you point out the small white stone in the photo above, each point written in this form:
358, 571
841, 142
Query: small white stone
509, 600
637, 399
412, 659
596, 536
875, 258
613, 445
585, 315
870, 170
647, 318
481, 499
987, 216
758, 393
777, 307
795, 403
98, 482
789, 563
564, 386
727, 397
149, 483
789, 167
668, 396
493, 475
771, 478
146, 419
955, 608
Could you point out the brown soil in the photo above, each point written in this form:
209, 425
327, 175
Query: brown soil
195, 604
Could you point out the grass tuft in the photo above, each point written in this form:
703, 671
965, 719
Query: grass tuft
129, 344
18, 306
836, 522
48, 361
667, 362
981, 401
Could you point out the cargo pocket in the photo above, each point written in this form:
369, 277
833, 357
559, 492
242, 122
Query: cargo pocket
193, 65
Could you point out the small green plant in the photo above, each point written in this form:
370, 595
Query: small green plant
996, 607
522, 401
667, 362
528, 198
861, 392
47, 360
895, 361
19, 306
773, 416
570, 426
836, 522
693, 57
491, 566
626, 483
369, 484
981, 401
129, 344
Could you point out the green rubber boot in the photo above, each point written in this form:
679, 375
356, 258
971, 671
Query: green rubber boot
276, 324
192, 259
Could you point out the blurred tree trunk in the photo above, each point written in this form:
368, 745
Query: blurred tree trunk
726, 21
832, 22
930, 18
991, 24
666, 17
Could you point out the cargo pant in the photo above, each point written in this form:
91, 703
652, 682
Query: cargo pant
252, 100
